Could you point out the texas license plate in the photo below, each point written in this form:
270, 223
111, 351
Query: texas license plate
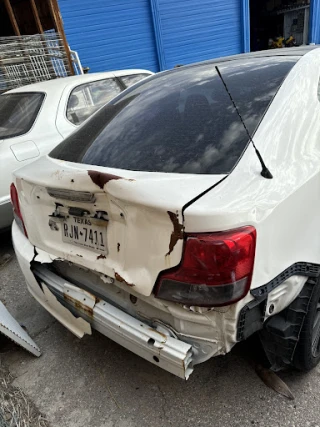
83, 232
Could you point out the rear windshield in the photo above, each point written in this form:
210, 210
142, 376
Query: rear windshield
18, 112
182, 121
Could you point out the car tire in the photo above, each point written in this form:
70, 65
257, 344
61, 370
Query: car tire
307, 352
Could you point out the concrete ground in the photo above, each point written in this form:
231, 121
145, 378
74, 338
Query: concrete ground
95, 382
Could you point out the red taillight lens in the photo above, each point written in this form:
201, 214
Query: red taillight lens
216, 269
16, 208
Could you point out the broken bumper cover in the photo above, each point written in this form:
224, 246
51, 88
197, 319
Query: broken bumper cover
55, 294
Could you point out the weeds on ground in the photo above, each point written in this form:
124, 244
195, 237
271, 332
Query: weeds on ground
16, 409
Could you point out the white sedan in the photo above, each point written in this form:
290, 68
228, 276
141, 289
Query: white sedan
184, 216
35, 118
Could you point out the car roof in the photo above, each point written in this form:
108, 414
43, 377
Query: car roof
270, 53
61, 83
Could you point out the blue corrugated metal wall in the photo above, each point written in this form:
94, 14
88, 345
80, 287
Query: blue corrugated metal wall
111, 34
314, 25
153, 34
193, 30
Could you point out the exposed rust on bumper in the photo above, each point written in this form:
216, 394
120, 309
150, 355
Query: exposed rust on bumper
79, 305
177, 233
101, 256
122, 280
164, 336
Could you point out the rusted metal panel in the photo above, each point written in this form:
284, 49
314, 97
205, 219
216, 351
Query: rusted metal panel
81, 300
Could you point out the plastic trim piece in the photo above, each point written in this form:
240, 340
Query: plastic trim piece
297, 269
281, 333
251, 317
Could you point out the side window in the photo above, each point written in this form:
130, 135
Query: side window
87, 98
134, 78
18, 112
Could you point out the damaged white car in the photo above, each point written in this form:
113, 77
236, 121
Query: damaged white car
184, 217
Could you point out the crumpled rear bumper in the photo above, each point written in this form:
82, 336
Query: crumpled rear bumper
61, 298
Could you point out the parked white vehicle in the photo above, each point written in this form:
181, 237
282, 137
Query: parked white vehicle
159, 224
35, 118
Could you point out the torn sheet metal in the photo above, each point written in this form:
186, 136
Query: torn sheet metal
11, 329
76, 325
43, 257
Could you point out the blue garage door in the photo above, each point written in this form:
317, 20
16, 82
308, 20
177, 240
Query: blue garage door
193, 30
111, 34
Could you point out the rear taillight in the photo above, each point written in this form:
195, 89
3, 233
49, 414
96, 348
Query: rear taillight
216, 269
16, 208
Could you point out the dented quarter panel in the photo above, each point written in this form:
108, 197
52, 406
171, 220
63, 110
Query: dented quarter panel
284, 210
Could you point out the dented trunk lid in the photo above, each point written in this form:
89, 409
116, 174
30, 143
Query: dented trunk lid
138, 215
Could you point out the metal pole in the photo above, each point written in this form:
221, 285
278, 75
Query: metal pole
12, 17
55, 13
36, 16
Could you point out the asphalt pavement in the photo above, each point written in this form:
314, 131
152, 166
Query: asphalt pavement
94, 382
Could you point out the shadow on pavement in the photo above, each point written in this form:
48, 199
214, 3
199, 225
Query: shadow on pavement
5, 243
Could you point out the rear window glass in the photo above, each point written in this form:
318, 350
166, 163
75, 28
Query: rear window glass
182, 121
18, 112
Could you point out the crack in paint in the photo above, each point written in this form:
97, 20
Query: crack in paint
100, 178
122, 280
177, 233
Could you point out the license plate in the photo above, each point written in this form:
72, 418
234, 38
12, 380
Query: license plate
83, 232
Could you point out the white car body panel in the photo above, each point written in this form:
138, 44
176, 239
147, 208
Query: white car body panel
25, 150
285, 212
131, 221
49, 129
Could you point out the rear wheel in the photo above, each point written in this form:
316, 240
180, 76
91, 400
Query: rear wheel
292, 337
307, 353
